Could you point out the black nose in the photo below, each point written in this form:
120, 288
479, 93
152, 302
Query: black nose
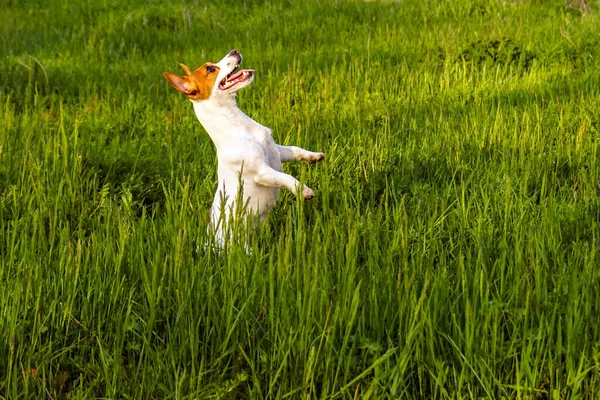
234, 52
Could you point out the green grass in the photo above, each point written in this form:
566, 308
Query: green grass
451, 251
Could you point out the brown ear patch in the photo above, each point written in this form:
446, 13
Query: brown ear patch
197, 85
182, 84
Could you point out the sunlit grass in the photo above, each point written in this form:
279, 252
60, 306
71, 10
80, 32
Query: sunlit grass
450, 252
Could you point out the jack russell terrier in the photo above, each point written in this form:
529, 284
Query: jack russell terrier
246, 152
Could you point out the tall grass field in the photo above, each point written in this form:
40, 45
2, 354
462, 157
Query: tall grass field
451, 250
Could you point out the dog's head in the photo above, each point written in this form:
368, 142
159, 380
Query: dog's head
212, 80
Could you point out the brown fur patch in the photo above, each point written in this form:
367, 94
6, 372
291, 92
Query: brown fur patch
195, 85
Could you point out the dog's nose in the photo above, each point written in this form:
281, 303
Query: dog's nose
234, 52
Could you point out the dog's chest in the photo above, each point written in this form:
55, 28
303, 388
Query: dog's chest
272, 154
248, 153
259, 148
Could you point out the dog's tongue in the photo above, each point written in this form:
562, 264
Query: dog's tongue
239, 74
234, 79
236, 75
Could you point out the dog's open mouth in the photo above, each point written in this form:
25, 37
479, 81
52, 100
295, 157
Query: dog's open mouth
235, 77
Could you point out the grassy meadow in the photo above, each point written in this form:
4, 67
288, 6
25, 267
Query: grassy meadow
451, 251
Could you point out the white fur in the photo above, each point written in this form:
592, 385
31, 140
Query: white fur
246, 150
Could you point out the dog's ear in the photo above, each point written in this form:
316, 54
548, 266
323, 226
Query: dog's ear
182, 83
185, 68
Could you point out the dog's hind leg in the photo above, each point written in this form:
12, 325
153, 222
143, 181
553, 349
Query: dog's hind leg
294, 153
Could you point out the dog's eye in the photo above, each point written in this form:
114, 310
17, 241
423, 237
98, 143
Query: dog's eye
210, 69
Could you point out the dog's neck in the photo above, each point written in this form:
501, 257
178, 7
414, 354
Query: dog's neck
223, 119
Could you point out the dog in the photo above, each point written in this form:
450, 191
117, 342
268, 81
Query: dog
249, 161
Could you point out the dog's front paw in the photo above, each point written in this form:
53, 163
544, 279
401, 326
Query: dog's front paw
316, 157
308, 193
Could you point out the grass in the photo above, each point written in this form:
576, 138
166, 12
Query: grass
451, 251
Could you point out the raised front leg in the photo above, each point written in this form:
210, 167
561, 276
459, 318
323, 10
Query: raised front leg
291, 153
267, 176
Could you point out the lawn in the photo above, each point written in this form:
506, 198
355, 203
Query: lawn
450, 252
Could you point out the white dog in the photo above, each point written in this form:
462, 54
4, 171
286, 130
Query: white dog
246, 152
